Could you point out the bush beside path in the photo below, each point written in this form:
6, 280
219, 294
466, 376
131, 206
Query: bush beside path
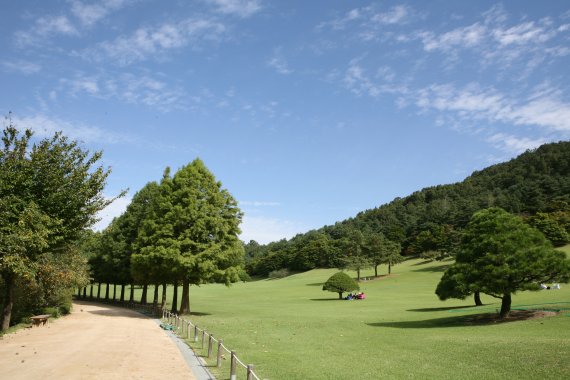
93, 342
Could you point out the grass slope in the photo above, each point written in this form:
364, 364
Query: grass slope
290, 329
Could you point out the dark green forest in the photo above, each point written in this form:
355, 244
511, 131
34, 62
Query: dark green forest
428, 223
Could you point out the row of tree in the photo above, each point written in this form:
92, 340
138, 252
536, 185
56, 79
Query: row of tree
535, 185
181, 231
50, 192
349, 248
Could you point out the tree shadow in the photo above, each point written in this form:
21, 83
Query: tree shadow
483, 319
198, 314
327, 299
428, 309
422, 263
439, 268
315, 284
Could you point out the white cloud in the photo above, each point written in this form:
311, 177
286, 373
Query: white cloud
155, 42
112, 211
280, 65
44, 126
128, 88
359, 83
265, 229
543, 109
241, 8
524, 33
513, 144
259, 203
90, 14
396, 15
468, 36
44, 28
23, 67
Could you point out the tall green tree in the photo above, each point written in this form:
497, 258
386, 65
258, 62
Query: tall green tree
382, 251
50, 192
195, 230
500, 255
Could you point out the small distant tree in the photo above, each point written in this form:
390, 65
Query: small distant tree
340, 283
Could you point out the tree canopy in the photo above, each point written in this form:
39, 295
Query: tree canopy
49, 193
340, 282
500, 255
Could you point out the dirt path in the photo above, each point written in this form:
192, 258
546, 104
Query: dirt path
94, 342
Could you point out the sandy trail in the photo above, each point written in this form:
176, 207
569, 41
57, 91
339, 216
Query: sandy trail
93, 342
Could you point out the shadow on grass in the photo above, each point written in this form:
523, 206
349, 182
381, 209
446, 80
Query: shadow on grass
327, 299
482, 319
316, 284
421, 263
439, 268
198, 314
428, 309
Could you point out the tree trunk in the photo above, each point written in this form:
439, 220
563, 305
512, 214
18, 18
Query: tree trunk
185, 303
85, 292
358, 274
132, 293
375, 271
389, 267
9, 283
505, 305
143, 297
163, 303
175, 298
91, 292
99, 291
477, 298
155, 298
123, 292
114, 292
107, 291
339, 295
78, 292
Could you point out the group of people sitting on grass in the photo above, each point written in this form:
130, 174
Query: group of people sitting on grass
355, 296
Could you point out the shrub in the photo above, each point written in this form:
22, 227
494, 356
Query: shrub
280, 273
339, 283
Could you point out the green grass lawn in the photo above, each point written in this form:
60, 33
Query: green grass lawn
290, 329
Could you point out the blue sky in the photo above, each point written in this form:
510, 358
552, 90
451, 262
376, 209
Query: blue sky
307, 111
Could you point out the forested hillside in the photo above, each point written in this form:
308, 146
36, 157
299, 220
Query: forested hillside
535, 185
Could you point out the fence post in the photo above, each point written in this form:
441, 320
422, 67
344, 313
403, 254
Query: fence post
233, 366
203, 337
195, 333
219, 359
250, 372
210, 342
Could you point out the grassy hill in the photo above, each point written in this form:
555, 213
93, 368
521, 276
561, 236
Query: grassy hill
290, 329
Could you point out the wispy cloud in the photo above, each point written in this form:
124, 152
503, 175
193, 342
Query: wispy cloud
360, 82
241, 8
93, 12
140, 89
279, 63
44, 126
110, 212
266, 229
24, 67
515, 145
155, 42
259, 203
543, 108
43, 28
